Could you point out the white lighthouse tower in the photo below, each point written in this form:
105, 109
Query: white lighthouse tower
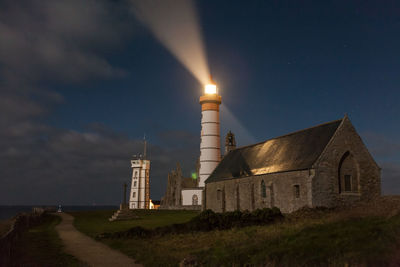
210, 149
140, 186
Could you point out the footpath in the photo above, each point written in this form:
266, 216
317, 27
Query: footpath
88, 250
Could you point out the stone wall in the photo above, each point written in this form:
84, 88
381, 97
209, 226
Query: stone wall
176, 182
325, 184
280, 192
172, 195
321, 185
22, 222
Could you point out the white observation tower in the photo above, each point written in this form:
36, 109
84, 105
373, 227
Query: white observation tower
140, 186
210, 150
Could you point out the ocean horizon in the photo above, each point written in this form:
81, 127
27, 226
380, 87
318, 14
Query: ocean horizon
9, 211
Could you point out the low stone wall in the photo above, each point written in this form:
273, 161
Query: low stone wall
22, 222
180, 207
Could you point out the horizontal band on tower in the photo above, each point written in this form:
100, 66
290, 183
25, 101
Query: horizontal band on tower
210, 135
211, 98
209, 147
205, 122
209, 160
210, 106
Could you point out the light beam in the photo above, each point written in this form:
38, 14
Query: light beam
174, 23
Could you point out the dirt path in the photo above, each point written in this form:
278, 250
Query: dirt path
88, 250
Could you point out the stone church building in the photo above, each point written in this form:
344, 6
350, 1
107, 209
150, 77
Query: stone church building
326, 165
177, 184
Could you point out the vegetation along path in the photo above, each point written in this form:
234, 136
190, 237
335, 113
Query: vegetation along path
88, 250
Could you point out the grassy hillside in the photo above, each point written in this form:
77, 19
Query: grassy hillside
366, 234
93, 223
41, 246
5, 226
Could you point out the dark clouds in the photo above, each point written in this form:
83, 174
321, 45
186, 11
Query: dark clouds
66, 41
56, 39
49, 42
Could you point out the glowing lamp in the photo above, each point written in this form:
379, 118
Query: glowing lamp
210, 89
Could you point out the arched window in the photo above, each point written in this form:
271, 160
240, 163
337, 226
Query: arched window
237, 198
195, 200
348, 174
219, 194
134, 194
263, 189
134, 184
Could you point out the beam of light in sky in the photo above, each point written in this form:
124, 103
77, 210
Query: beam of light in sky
175, 24
230, 122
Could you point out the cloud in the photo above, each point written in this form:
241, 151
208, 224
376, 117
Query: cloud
54, 39
65, 41
80, 167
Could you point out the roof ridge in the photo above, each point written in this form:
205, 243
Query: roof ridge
318, 125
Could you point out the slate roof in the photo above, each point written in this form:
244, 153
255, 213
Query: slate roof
295, 151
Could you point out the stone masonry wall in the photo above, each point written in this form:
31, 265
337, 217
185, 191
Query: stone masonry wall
319, 186
325, 184
280, 192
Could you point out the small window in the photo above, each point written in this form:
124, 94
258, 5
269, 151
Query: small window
134, 194
195, 200
219, 194
347, 182
263, 189
296, 191
134, 184
136, 174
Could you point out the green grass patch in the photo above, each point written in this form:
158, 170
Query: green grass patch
328, 240
94, 223
368, 240
41, 246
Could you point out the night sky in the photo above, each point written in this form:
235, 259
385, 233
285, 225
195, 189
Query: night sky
81, 82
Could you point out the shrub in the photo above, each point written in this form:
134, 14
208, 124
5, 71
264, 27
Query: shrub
207, 220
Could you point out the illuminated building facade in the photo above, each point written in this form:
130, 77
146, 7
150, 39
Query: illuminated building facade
326, 165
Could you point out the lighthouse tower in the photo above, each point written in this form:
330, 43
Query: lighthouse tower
140, 186
210, 149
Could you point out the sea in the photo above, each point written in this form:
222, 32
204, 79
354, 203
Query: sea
7, 212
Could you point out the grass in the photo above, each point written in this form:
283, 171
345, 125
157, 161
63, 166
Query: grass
357, 241
93, 223
318, 237
5, 226
41, 246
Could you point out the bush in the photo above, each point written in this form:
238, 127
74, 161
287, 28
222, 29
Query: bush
207, 220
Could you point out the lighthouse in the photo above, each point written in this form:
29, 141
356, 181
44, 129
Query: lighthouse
210, 149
